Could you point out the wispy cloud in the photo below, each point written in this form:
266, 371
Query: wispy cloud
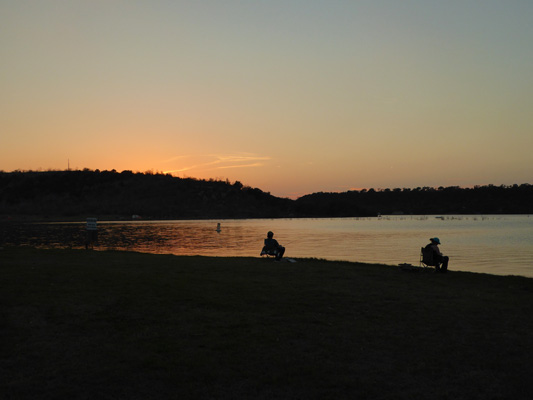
215, 162
175, 158
241, 166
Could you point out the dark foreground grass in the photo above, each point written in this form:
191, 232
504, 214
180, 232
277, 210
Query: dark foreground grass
116, 325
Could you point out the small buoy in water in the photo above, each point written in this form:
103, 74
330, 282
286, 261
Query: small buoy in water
218, 227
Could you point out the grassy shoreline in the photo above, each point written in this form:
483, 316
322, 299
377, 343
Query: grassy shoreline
119, 325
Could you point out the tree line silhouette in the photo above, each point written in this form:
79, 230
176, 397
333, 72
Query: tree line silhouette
490, 199
120, 195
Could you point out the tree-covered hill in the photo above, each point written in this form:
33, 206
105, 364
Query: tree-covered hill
109, 194
515, 199
120, 195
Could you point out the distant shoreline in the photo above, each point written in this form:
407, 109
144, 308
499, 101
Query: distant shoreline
69, 195
123, 219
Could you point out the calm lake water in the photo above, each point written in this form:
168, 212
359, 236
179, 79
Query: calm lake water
496, 244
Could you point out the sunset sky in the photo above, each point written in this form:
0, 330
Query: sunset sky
292, 96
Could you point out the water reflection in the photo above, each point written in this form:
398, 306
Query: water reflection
493, 244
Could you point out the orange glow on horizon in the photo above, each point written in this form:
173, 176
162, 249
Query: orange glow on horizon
376, 98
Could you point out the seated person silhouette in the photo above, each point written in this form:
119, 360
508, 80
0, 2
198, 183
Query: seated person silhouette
439, 259
272, 247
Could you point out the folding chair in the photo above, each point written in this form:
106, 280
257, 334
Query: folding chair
426, 258
269, 253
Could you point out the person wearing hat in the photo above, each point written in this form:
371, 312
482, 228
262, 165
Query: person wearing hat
441, 264
272, 247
